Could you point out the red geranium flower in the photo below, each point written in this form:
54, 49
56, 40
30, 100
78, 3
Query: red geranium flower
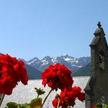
11, 71
57, 76
56, 102
68, 96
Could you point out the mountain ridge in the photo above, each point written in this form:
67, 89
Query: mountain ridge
70, 61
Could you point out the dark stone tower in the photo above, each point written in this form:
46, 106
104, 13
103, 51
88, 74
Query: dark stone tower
97, 87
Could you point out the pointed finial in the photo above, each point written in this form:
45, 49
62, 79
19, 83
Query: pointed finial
99, 24
99, 31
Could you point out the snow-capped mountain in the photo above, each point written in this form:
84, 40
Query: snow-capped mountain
71, 62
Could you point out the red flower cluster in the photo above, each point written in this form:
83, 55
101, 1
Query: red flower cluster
57, 76
68, 96
11, 71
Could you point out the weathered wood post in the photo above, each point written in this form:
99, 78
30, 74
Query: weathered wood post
97, 86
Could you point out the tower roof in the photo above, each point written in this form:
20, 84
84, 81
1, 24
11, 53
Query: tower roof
99, 31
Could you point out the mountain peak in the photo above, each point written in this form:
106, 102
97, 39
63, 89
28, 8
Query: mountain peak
34, 60
71, 62
47, 57
46, 60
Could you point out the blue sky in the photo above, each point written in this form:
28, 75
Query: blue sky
36, 28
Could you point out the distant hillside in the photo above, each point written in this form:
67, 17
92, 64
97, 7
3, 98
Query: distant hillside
33, 73
84, 71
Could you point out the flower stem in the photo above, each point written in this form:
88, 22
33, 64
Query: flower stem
46, 97
58, 103
1, 98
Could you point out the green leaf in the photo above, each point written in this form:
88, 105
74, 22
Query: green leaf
24, 105
12, 105
39, 91
36, 103
98, 105
15, 105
